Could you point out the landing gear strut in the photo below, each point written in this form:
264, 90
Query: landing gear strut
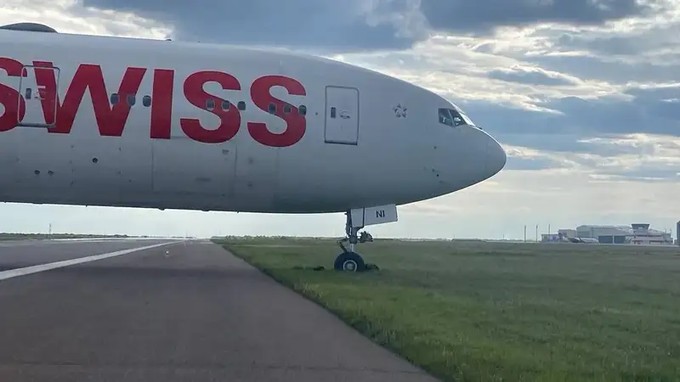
349, 260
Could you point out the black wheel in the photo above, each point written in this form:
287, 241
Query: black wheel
349, 262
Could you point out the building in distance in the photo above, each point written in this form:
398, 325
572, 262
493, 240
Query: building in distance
636, 234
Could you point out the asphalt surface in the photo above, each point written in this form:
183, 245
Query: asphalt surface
187, 311
19, 254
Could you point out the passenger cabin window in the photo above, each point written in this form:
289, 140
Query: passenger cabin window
451, 117
210, 104
286, 109
303, 110
225, 105
114, 98
272, 108
146, 101
241, 105
131, 99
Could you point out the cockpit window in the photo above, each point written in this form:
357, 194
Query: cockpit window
452, 117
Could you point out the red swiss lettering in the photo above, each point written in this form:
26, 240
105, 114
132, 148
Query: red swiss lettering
296, 123
230, 120
161, 103
111, 121
12, 102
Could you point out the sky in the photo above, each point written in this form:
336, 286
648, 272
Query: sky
584, 95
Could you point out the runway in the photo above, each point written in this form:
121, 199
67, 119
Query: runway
176, 312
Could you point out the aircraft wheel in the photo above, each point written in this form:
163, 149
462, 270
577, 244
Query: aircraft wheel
349, 262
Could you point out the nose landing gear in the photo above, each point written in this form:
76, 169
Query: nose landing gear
349, 260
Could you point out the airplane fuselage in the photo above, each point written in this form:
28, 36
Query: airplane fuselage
107, 121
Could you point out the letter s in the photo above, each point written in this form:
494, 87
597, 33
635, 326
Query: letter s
296, 123
230, 120
14, 104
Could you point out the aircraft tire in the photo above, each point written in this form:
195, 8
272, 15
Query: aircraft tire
349, 262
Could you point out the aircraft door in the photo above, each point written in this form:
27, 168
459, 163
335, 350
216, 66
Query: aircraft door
41, 102
342, 115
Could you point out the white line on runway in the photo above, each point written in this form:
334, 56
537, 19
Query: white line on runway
60, 264
45, 242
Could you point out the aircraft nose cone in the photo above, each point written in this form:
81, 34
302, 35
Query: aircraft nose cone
495, 157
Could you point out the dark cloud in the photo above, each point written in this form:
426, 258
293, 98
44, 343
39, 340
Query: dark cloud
590, 133
356, 24
637, 54
624, 43
530, 76
649, 111
317, 24
484, 15
662, 102
573, 131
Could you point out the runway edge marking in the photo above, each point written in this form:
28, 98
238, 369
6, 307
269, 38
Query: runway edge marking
5, 275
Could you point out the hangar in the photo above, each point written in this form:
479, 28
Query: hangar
634, 234
638, 233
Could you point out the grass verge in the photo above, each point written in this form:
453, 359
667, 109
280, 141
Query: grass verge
476, 311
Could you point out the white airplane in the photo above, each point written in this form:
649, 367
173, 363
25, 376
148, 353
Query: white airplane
106, 121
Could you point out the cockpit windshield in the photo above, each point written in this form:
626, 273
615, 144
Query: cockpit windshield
452, 117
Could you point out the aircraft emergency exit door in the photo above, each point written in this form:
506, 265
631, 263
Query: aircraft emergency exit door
342, 115
40, 101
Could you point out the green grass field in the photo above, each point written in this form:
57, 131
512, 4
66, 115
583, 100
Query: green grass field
476, 311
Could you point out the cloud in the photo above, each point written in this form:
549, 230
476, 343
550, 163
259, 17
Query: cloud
635, 38
562, 198
485, 15
71, 16
637, 48
535, 76
654, 110
327, 25
322, 25
631, 157
607, 69
452, 67
527, 159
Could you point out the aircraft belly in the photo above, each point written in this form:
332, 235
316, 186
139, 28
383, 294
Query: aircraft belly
256, 180
186, 168
38, 166
8, 160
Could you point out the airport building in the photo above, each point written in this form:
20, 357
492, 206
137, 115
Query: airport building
567, 233
638, 234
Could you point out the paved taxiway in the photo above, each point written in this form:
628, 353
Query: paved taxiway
185, 311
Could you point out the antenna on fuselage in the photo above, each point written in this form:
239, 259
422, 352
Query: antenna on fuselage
29, 27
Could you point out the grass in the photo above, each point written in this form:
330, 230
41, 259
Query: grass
476, 311
6, 236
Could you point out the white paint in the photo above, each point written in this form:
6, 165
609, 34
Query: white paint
46, 242
61, 264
